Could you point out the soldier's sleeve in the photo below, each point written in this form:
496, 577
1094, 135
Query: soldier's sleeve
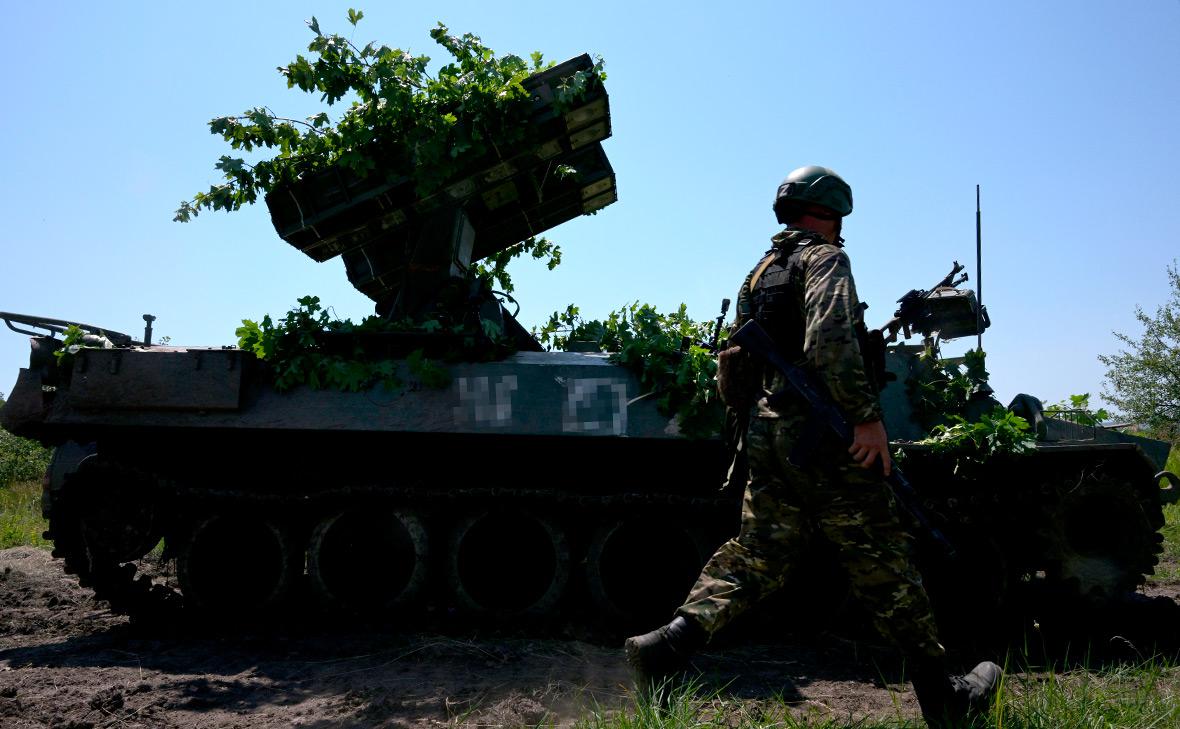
829, 341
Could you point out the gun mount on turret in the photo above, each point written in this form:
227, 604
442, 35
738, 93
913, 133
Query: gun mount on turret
944, 310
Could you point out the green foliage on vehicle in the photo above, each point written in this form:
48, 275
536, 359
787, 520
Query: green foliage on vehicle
664, 350
971, 444
72, 341
427, 371
953, 399
494, 268
298, 353
1077, 410
941, 390
70, 344
400, 119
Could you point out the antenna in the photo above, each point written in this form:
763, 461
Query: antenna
978, 272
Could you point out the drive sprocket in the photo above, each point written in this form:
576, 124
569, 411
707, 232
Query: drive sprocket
102, 518
1099, 535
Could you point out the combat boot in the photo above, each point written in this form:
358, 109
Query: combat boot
950, 702
656, 658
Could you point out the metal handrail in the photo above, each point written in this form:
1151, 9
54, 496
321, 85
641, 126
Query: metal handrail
59, 326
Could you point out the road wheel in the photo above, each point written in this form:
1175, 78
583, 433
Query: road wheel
369, 561
507, 564
237, 567
639, 569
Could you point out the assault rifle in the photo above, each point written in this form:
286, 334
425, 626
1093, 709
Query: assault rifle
718, 326
752, 338
712, 344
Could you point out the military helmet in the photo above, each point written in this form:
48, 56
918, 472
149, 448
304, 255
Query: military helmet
815, 185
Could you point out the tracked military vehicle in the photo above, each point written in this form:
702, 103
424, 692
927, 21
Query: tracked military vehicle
529, 477
1072, 524
534, 485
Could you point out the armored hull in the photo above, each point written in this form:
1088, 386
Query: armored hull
528, 487
541, 487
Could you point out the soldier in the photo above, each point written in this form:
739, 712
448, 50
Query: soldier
803, 294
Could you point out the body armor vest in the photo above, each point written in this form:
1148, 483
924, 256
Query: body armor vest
774, 291
773, 296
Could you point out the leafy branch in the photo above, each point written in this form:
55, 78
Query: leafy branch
73, 339
494, 268
973, 443
940, 390
401, 119
664, 350
1077, 410
297, 352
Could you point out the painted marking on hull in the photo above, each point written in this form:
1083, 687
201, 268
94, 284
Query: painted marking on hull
484, 403
595, 405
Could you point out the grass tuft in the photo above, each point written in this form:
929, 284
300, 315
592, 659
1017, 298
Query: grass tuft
21, 523
1168, 569
690, 705
1131, 696
1144, 695
22, 463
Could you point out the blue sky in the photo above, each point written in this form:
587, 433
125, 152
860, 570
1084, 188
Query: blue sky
1064, 112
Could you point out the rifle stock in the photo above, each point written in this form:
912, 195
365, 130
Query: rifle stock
754, 339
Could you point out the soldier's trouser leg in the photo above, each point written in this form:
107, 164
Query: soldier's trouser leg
855, 510
757, 561
858, 515
852, 507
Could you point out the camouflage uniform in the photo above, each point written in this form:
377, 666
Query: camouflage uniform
804, 295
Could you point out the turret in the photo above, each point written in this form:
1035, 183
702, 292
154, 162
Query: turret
401, 246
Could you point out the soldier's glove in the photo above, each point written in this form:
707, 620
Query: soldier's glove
737, 378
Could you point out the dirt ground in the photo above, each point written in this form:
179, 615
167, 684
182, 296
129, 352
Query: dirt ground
67, 662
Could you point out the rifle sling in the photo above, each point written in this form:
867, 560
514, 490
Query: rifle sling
764, 264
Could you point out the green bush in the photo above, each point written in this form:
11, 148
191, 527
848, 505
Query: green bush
21, 523
20, 459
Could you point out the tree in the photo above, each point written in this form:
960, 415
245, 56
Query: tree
1143, 380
